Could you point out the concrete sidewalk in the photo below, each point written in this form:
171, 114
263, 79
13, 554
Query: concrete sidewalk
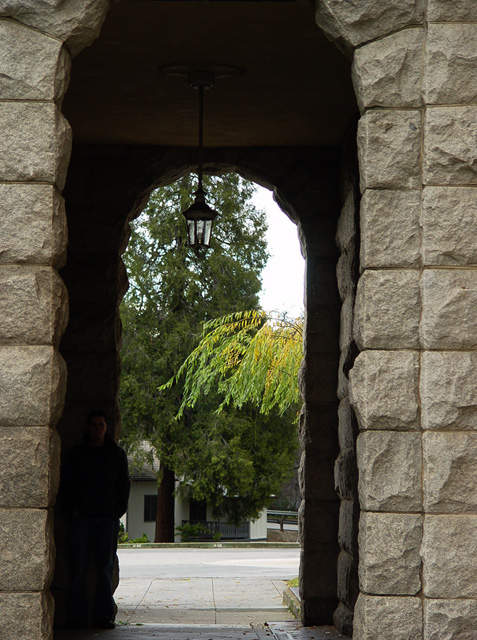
273, 631
192, 609
210, 601
202, 609
169, 632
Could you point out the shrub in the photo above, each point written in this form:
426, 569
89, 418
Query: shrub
142, 538
122, 535
191, 531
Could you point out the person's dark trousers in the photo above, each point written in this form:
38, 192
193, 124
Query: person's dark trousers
96, 537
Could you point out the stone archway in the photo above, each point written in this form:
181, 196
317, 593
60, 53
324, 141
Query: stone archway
307, 196
412, 325
306, 182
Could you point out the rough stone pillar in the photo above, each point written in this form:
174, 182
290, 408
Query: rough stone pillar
413, 385
318, 422
384, 380
34, 151
448, 330
346, 477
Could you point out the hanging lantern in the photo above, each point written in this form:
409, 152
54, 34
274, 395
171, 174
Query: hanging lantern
199, 219
199, 216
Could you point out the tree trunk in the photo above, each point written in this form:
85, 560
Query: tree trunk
165, 507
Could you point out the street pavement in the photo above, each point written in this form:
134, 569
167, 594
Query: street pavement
218, 562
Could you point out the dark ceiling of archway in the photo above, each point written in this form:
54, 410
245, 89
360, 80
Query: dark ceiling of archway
294, 89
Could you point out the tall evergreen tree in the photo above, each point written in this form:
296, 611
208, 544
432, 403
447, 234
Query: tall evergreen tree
232, 459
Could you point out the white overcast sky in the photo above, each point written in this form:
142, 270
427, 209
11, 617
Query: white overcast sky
283, 277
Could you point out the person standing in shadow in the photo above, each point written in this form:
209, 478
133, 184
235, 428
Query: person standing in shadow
94, 495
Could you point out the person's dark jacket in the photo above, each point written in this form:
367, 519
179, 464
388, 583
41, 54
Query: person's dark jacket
95, 480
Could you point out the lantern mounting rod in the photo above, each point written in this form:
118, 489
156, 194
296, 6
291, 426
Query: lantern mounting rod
202, 81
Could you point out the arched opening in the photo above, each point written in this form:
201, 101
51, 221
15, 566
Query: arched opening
208, 455
280, 121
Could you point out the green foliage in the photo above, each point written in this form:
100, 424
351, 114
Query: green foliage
190, 532
141, 539
234, 459
249, 357
122, 535
282, 504
238, 459
172, 291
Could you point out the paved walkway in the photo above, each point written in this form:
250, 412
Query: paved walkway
201, 601
170, 632
274, 631
198, 599
202, 609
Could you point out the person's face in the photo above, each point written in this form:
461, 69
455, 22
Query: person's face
97, 430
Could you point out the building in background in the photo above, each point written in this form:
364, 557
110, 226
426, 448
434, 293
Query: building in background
196, 517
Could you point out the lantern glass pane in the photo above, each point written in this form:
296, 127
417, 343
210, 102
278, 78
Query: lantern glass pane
191, 232
207, 231
200, 239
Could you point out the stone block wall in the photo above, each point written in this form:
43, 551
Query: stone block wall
448, 329
346, 477
319, 509
34, 152
413, 384
37, 40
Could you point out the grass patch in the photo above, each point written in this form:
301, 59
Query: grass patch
293, 582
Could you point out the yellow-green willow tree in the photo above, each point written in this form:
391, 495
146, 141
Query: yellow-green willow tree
248, 357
